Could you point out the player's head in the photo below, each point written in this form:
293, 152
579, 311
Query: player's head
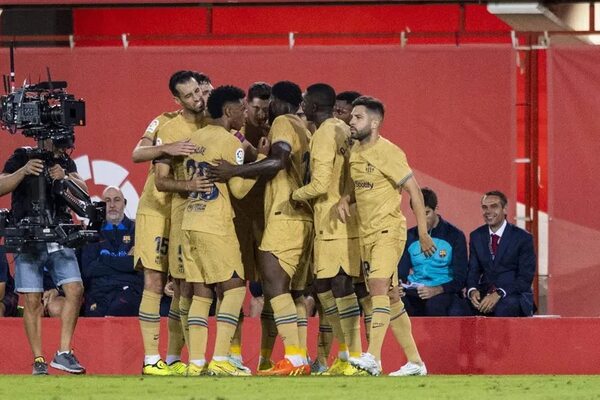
431, 202
343, 105
494, 208
186, 91
115, 204
259, 95
318, 98
205, 85
286, 97
367, 115
227, 103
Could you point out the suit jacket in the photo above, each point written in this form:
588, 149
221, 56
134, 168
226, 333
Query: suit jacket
512, 269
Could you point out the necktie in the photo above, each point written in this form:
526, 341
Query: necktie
494, 243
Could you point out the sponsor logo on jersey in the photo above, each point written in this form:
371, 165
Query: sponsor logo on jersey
363, 185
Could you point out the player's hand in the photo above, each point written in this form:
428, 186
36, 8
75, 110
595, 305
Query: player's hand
401, 291
34, 167
57, 172
180, 148
169, 291
343, 208
201, 184
475, 298
427, 246
131, 250
489, 302
221, 172
264, 146
427, 292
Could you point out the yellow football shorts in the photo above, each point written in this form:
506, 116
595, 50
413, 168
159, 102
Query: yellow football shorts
380, 254
151, 243
331, 255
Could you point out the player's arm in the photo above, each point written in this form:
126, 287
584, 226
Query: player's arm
322, 158
10, 181
165, 182
278, 159
411, 186
146, 150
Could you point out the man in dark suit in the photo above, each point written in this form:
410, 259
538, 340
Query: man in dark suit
502, 263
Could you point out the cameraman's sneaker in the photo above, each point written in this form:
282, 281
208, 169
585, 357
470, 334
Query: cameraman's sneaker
67, 362
39, 366
409, 369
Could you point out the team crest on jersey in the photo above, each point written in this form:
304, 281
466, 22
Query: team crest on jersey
153, 125
443, 253
370, 169
126, 239
239, 156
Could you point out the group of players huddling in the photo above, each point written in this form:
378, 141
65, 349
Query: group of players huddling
240, 189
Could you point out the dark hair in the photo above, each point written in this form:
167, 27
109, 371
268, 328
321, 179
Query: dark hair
200, 77
262, 90
178, 78
348, 96
371, 103
502, 196
429, 198
288, 92
221, 96
322, 95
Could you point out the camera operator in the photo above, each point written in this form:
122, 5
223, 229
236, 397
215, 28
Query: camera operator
21, 178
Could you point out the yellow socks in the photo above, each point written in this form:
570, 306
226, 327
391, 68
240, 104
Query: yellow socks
349, 315
367, 309
176, 338
184, 310
402, 329
286, 320
149, 317
227, 320
198, 327
379, 323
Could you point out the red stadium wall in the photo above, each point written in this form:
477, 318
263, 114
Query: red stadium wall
450, 108
447, 345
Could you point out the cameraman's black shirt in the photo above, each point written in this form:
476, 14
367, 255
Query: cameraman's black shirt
22, 196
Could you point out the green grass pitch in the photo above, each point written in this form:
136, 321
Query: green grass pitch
434, 387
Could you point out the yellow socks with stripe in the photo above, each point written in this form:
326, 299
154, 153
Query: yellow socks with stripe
184, 310
268, 331
325, 337
367, 310
286, 320
149, 317
302, 325
227, 321
198, 326
332, 316
379, 323
176, 338
349, 313
402, 329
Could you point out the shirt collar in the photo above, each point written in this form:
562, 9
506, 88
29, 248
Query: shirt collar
500, 231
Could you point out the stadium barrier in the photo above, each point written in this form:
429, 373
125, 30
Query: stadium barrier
474, 345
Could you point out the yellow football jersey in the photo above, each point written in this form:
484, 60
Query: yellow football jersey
153, 202
329, 165
212, 212
290, 129
377, 171
175, 130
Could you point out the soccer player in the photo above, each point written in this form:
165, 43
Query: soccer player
343, 105
211, 250
336, 247
153, 226
380, 173
250, 218
287, 239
